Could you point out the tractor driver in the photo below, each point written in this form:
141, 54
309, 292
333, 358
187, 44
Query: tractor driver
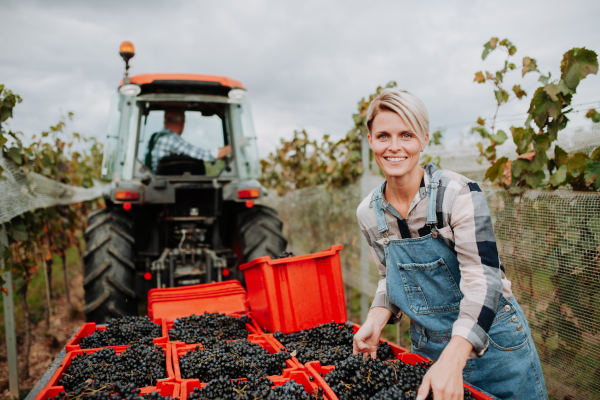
168, 142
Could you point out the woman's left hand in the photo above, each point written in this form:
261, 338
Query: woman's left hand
444, 377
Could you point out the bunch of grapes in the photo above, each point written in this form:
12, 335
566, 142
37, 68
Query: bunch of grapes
327, 343
231, 360
122, 331
139, 364
359, 378
209, 328
253, 388
116, 391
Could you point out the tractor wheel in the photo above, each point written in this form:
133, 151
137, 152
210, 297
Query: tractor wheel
109, 281
260, 233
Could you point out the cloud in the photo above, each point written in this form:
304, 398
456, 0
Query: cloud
306, 64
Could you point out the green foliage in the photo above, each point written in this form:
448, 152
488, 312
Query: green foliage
58, 155
302, 163
593, 115
487, 130
548, 111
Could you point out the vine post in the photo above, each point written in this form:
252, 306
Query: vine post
364, 246
9, 322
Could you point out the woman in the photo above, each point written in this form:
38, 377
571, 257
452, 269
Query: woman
432, 237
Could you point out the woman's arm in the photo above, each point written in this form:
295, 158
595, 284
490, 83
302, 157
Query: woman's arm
445, 377
367, 337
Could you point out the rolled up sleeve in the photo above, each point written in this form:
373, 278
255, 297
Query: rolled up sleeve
481, 277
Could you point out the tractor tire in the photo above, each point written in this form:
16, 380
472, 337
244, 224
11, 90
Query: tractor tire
109, 281
260, 233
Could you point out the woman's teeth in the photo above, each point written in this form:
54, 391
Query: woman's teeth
395, 159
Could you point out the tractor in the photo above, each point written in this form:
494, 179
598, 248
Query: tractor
189, 221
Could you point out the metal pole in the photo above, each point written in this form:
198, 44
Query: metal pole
9, 325
364, 246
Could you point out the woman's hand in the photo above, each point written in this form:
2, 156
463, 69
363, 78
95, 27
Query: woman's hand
445, 376
367, 337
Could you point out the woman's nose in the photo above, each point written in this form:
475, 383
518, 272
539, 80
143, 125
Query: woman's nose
396, 144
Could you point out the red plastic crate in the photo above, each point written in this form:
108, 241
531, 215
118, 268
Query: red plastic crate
253, 328
313, 369
165, 388
53, 382
171, 303
300, 377
179, 349
90, 327
295, 293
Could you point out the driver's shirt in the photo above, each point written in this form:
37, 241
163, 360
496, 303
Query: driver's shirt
170, 144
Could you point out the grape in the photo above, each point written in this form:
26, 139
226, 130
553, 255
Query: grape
139, 364
231, 360
253, 388
209, 328
327, 343
122, 331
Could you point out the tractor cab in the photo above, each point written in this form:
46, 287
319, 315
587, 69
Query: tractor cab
216, 112
182, 161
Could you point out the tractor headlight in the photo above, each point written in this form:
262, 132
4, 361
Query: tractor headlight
237, 94
130, 90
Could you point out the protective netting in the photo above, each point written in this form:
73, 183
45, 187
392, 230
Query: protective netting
549, 242
21, 192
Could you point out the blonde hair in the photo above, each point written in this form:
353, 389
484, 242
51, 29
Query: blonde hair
407, 106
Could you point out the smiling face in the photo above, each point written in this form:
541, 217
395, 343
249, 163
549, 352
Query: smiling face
395, 146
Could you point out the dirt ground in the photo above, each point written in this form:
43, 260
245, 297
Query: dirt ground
45, 347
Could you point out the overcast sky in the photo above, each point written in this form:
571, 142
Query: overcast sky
306, 63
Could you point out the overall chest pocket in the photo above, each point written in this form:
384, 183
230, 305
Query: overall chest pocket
430, 288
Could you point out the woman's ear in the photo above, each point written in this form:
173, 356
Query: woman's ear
369, 139
426, 143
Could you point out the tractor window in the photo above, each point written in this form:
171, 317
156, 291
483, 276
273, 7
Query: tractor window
203, 128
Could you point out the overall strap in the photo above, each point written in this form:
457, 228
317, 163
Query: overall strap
376, 201
432, 198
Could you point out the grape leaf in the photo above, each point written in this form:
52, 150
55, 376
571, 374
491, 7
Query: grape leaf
496, 170
560, 156
596, 154
593, 115
481, 121
592, 175
527, 156
529, 65
545, 79
553, 90
479, 78
501, 96
15, 155
520, 93
577, 162
578, 63
499, 138
522, 138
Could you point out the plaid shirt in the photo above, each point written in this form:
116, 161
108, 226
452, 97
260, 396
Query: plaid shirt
466, 226
173, 144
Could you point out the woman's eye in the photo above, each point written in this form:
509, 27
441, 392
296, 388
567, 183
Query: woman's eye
383, 136
406, 135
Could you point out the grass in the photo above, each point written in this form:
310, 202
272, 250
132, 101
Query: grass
36, 295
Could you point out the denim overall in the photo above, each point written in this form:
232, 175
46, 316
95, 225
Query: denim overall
423, 280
